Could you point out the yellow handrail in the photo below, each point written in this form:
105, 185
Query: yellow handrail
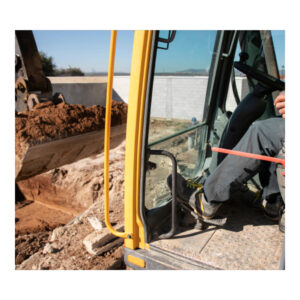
107, 133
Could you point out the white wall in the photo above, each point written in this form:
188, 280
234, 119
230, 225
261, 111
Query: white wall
173, 96
184, 97
90, 90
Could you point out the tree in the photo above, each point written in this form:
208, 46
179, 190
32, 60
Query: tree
70, 71
48, 66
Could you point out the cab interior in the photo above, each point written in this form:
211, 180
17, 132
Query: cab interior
238, 87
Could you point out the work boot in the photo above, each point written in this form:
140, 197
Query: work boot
184, 188
201, 206
192, 193
273, 207
253, 199
243, 193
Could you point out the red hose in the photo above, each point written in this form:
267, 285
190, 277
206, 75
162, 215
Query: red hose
251, 155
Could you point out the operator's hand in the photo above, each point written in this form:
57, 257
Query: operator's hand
280, 104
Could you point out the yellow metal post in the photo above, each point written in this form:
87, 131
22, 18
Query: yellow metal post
137, 92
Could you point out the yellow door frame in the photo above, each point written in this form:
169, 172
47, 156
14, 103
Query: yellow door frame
134, 233
135, 118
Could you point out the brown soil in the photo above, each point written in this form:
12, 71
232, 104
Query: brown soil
51, 200
28, 244
67, 241
35, 217
48, 121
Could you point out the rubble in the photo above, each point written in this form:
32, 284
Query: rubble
63, 248
100, 241
60, 208
95, 223
51, 248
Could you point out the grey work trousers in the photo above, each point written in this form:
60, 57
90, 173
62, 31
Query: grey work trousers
263, 137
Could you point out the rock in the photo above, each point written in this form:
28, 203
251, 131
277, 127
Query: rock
47, 249
45, 265
51, 248
95, 223
95, 196
20, 258
57, 233
73, 191
96, 187
101, 241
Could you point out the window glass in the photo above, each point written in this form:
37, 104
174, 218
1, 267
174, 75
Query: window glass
241, 85
259, 58
177, 104
180, 81
278, 37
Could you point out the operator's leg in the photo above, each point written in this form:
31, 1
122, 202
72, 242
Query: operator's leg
268, 180
263, 137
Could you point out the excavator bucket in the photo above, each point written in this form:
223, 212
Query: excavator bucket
52, 135
49, 132
43, 157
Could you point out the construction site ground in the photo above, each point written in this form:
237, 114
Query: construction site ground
62, 208
59, 220
59, 212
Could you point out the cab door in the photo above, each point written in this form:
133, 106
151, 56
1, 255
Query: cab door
188, 81
193, 90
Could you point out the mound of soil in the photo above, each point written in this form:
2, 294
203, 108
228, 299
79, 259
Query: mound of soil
63, 248
48, 121
53, 199
28, 244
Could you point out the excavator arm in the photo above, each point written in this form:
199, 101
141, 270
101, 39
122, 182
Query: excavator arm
33, 87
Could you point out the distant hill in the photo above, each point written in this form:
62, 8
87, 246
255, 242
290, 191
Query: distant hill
105, 74
194, 71
187, 72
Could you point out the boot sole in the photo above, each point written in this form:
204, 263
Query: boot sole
209, 221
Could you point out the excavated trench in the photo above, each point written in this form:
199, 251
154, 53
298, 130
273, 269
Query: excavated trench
51, 200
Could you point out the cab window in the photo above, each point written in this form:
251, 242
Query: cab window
177, 104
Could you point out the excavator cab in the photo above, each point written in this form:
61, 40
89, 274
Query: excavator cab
191, 91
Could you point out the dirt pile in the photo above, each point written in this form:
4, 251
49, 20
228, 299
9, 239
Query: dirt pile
73, 188
28, 244
48, 121
34, 217
55, 198
64, 249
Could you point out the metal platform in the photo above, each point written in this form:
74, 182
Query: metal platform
248, 241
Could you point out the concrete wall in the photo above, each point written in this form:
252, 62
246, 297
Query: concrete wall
184, 97
173, 96
90, 90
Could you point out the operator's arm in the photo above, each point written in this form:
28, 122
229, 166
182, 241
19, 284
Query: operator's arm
280, 104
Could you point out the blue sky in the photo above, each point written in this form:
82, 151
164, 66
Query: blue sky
191, 49
89, 49
279, 45
86, 49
